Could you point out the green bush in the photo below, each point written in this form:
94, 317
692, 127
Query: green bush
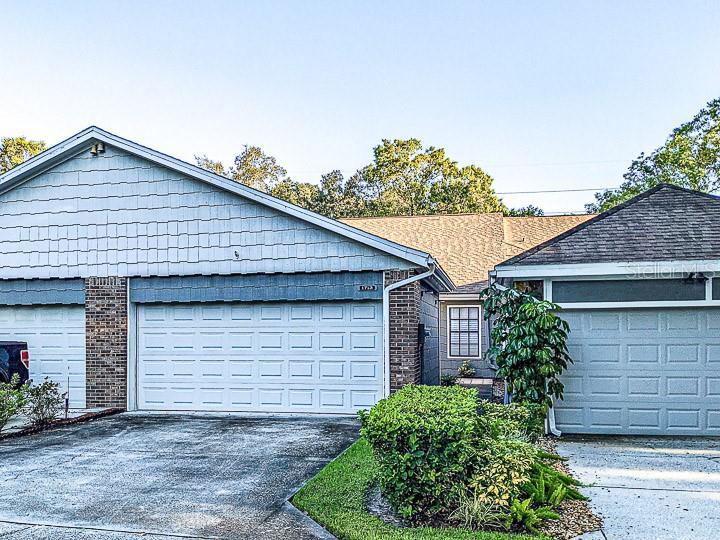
524, 421
44, 402
423, 438
12, 400
444, 457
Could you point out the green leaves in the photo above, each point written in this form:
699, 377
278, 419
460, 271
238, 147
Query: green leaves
689, 158
15, 150
529, 343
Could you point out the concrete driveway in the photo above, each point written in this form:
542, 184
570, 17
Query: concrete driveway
166, 476
650, 488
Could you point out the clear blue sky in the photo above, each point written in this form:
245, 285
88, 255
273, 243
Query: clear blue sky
542, 95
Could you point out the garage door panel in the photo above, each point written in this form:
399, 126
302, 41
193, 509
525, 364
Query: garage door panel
283, 357
257, 397
665, 381
56, 340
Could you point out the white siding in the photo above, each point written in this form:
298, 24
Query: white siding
117, 214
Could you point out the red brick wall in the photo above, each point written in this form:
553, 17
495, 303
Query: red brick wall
106, 338
405, 366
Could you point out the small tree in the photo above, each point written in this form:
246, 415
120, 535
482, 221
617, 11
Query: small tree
529, 343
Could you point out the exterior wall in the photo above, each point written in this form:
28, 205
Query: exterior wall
119, 215
448, 365
34, 292
429, 316
259, 288
405, 365
106, 340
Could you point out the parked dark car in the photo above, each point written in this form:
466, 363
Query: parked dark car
14, 358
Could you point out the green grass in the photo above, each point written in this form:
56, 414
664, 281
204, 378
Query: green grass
335, 498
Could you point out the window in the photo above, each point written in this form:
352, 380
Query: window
464, 331
624, 290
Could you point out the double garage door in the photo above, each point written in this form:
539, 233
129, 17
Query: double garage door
642, 371
284, 357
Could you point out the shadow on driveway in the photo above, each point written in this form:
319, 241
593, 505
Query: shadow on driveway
165, 476
650, 488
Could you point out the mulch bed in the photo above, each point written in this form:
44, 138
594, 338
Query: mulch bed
31, 430
576, 517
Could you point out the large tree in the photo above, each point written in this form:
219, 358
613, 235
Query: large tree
407, 179
251, 167
15, 150
689, 158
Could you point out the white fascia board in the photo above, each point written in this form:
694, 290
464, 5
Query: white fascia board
643, 304
77, 143
630, 269
464, 297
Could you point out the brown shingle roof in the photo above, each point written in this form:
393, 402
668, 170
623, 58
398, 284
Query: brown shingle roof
468, 246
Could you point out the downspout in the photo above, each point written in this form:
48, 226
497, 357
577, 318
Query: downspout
386, 319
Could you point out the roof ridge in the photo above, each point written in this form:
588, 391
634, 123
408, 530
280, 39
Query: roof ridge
462, 214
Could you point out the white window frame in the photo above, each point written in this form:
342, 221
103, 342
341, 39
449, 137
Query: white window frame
480, 320
707, 302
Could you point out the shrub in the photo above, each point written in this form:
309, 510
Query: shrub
529, 344
44, 402
423, 438
523, 421
448, 380
12, 400
466, 370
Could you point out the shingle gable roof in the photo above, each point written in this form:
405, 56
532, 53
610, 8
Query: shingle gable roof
664, 223
468, 246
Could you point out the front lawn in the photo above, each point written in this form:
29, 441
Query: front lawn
335, 498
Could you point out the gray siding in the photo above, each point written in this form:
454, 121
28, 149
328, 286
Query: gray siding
449, 366
258, 288
29, 292
429, 316
117, 214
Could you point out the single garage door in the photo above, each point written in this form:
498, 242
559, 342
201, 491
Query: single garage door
56, 340
643, 371
289, 357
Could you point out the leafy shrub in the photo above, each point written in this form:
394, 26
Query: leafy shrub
44, 402
443, 456
466, 370
550, 487
12, 399
503, 466
475, 512
448, 380
529, 344
423, 438
523, 514
523, 421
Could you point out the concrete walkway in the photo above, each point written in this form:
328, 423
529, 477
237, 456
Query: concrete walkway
160, 477
650, 488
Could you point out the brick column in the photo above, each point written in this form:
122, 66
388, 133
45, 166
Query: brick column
106, 339
405, 365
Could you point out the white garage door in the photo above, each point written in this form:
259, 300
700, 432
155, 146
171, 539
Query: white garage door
56, 340
299, 357
643, 371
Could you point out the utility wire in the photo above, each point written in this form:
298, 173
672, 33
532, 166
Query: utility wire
552, 191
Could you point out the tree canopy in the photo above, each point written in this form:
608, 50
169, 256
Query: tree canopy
689, 158
404, 178
15, 150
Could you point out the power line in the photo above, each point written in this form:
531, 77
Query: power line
552, 191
